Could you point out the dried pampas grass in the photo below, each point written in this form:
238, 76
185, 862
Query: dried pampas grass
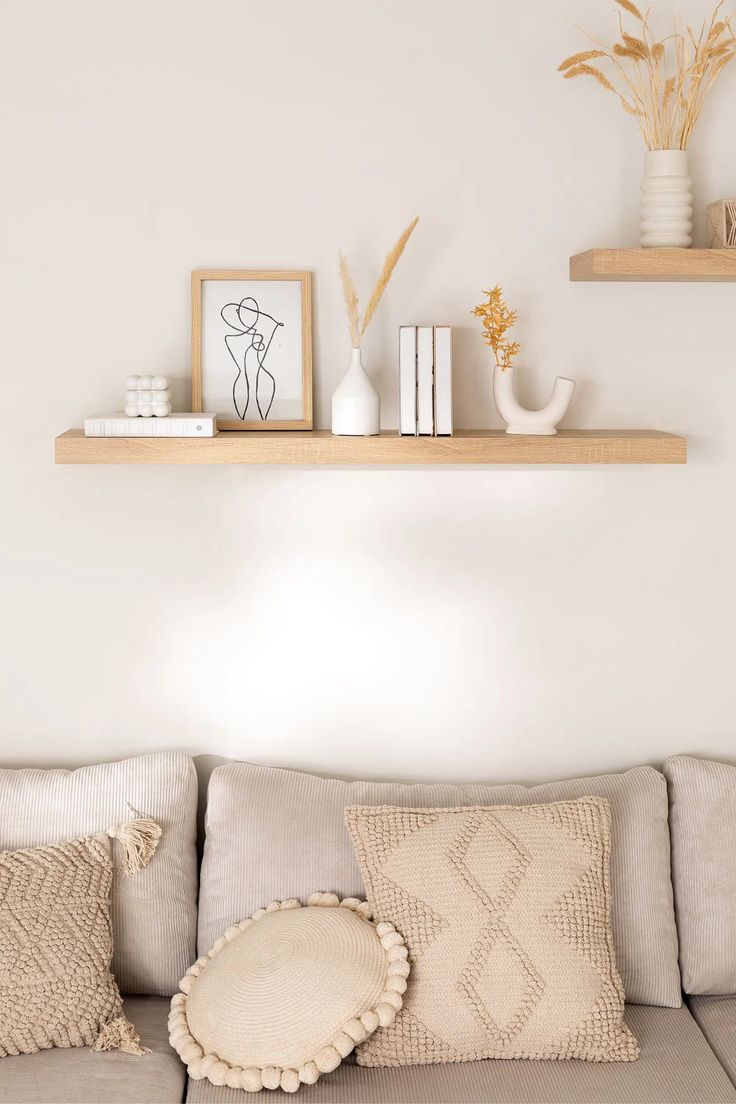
631, 9
663, 83
578, 59
355, 325
350, 296
589, 71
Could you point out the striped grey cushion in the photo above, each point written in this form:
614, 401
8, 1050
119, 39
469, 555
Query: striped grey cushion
273, 834
716, 1018
154, 914
82, 1076
676, 1066
703, 826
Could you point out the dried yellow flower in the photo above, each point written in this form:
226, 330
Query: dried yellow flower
497, 319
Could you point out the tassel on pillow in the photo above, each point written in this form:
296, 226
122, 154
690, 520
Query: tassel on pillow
120, 1034
138, 840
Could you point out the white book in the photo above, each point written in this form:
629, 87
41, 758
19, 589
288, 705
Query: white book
443, 381
175, 425
408, 380
425, 381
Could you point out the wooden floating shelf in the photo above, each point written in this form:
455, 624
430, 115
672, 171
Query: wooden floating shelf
654, 264
586, 446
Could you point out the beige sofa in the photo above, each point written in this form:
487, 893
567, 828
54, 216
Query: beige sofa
274, 834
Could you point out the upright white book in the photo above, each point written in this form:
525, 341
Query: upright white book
425, 381
443, 381
408, 380
175, 425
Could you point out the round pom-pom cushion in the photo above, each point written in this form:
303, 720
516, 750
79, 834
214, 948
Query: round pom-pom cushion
284, 996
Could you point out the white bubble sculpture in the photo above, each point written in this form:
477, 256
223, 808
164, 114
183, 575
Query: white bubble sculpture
147, 397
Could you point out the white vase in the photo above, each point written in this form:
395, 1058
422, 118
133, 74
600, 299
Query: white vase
666, 201
356, 407
539, 423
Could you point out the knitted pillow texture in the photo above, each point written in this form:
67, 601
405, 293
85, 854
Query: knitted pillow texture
56, 986
284, 996
506, 913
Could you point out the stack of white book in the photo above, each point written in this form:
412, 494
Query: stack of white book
425, 381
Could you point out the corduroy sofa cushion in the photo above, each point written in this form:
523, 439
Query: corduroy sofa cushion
154, 915
273, 834
83, 1076
716, 1017
676, 1066
703, 827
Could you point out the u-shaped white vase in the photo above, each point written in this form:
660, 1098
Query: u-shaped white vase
540, 423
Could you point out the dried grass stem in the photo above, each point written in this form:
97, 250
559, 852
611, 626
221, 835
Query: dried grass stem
663, 83
355, 325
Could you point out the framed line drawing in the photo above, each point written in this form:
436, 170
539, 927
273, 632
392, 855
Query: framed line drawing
252, 348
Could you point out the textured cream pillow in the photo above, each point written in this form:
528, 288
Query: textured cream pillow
56, 987
506, 914
286, 995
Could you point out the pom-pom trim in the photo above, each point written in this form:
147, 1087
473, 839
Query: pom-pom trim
202, 1065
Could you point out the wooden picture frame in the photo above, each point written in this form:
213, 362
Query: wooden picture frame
242, 350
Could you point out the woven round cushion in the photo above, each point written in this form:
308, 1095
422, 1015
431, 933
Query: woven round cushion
286, 995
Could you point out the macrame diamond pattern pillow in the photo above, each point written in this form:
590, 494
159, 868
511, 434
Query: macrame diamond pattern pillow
506, 914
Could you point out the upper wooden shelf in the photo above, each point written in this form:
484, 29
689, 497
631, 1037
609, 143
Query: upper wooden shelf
590, 446
654, 264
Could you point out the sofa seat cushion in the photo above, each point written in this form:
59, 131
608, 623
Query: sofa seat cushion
716, 1018
273, 834
676, 1066
154, 914
80, 1076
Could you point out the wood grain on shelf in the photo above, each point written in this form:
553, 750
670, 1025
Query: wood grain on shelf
605, 446
654, 264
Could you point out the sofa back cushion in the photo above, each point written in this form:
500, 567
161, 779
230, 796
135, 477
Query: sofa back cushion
703, 827
273, 834
154, 914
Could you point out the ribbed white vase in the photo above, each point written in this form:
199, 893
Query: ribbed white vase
666, 201
356, 407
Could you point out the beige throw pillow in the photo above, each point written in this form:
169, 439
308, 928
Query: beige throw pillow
284, 996
506, 912
56, 986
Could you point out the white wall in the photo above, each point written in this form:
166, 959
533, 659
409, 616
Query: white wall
496, 623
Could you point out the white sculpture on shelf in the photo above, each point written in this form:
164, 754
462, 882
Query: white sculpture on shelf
147, 397
541, 423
